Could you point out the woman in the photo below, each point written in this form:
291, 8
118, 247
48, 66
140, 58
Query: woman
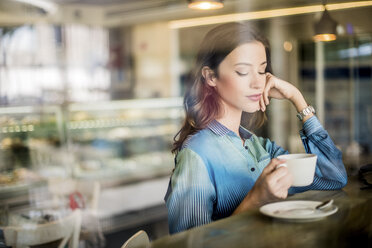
221, 168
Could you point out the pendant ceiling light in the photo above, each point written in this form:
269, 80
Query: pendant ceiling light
205, 4
325, 28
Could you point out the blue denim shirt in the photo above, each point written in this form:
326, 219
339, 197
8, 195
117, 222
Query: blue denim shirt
214, 171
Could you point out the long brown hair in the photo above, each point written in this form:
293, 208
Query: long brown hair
201, 102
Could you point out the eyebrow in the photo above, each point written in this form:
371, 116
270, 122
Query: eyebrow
245, 63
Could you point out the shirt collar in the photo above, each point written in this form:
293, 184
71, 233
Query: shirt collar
244, 133
219, 129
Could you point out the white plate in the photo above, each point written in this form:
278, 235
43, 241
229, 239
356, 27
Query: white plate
299, 211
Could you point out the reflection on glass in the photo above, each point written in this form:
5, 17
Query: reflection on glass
348, 71
53, 64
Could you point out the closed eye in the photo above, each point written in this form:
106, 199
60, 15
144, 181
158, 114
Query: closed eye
262, 73
241, 74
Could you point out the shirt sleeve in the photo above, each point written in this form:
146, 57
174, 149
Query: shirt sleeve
330, 173
192, 196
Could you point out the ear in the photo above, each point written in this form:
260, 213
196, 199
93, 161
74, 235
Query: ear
209, 76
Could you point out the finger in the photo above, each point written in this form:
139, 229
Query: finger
267, 100
269, 168
267, 89
262, 104
283, 191
281, 187
283, 194
281, 165
267, 94
286, 181
279, 173
272, 165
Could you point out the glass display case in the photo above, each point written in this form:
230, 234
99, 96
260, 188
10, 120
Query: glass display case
100, 155
122, 141
110, 142
31, 139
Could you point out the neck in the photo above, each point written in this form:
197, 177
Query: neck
231, 120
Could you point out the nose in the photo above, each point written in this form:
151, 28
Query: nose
257, 81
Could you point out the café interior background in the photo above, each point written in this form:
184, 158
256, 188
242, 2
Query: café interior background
91, 91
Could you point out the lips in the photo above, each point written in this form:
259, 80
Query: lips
255, 98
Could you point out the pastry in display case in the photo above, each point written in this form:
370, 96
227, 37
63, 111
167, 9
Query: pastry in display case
112, 142
23, 132
123, 140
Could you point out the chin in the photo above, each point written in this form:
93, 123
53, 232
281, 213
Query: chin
252, 109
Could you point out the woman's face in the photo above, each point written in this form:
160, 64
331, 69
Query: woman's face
241, 78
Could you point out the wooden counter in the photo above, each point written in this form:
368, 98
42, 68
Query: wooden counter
351, 226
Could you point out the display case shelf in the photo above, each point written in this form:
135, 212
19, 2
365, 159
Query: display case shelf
123, 140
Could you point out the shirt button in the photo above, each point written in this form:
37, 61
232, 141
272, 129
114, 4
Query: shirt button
253, 169
246, 147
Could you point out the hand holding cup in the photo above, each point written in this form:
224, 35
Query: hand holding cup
301, 166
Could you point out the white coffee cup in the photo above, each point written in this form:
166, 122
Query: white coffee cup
301, 166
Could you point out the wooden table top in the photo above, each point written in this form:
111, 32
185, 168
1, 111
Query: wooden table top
350, 226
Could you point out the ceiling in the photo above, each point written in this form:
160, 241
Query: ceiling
140, 4
110, 2
256, 3
128, 12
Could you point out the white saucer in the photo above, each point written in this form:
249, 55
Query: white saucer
298, 211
